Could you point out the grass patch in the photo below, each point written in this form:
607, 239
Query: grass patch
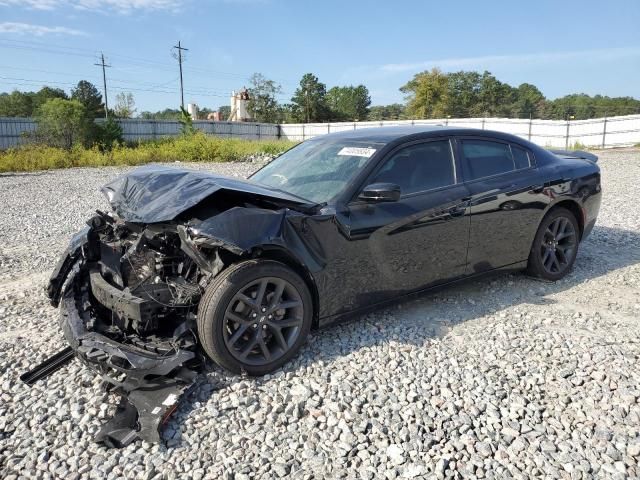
192, 148
578, 146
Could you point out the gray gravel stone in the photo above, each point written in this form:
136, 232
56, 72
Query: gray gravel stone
496, 378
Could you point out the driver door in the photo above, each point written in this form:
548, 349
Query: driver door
419, 241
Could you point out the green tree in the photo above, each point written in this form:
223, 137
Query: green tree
263, 104
309, 100
108, 134
395, 111
89, 96
225, 112
16, 104
463, 94
495, 99
427, 95
166, 114
286, 113
348, 103
186, 123
63, 123
582, 106
529, 101
45, 94
125, 105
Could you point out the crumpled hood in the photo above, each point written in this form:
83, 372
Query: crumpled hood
156, 193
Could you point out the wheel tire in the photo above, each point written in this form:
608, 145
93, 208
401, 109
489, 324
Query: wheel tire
547, 245
222, 295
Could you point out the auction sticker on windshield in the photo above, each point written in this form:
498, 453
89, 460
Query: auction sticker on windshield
357, 152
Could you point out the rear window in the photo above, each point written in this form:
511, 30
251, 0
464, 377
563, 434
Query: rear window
485, 158
520, 157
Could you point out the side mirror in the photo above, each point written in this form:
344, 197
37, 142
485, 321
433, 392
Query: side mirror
380, 192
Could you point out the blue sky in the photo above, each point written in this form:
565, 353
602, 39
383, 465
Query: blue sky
561, 46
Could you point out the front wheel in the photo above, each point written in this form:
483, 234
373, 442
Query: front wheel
255, 316
555, 245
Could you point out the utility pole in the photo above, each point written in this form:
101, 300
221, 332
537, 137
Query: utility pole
104, 82
180, 48
306, 97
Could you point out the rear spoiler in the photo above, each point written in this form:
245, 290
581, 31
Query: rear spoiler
575, 154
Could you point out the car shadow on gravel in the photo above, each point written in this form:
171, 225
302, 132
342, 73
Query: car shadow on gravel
427, 317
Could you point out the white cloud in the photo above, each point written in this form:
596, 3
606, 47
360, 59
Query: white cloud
35, 4
519, 59
119, 6
37, 30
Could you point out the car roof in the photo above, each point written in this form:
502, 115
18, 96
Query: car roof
386, 135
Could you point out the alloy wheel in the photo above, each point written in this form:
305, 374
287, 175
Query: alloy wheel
263, 320
558, 245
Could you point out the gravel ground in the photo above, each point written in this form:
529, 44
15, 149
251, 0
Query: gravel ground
508, 377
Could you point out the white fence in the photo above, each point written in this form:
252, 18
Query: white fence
15, 131
599, 132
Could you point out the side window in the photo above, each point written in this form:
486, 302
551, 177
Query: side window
520, 157
419, 167
483, 158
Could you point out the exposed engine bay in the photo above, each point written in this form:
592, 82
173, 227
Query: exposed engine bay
150, 266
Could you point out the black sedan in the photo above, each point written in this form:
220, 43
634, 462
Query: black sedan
191, 264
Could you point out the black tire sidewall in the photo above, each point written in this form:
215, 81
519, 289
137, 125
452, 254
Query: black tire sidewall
535, 266
221, 292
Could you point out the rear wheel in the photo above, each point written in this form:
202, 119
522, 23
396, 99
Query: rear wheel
555, 245
255, 316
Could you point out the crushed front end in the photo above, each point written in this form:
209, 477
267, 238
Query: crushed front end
129, 284
128, 295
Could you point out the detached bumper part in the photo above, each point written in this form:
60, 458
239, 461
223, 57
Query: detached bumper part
50, 365
140, 415
150, 384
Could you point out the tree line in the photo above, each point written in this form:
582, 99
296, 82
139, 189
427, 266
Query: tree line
429, 94
28, 104
67, 120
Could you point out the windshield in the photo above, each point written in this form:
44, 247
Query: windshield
317, 170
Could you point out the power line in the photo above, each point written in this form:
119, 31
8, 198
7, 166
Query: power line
127, 59
32, 83
104, 82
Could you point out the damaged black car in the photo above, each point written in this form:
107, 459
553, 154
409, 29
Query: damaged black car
189, 265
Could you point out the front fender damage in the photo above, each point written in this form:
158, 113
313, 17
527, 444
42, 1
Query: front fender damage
248, 231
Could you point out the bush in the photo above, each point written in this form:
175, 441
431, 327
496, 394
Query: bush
63, 123
193, 148
108, 134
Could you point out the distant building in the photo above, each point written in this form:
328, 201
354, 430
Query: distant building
192, 108
240, 106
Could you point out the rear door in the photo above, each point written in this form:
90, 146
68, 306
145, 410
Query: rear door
420, 240
505, 201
